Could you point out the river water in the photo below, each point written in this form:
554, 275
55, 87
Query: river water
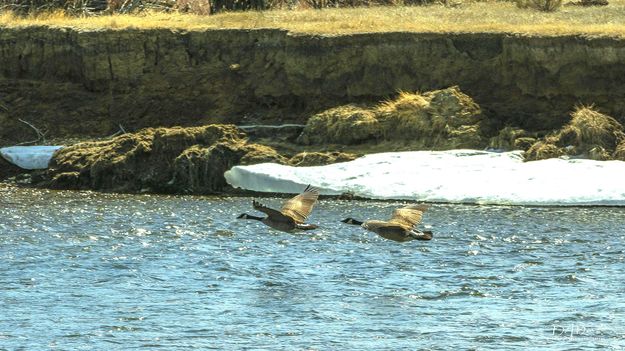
91, 271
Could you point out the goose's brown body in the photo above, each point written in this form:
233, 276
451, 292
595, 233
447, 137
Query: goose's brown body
401, 227
388, 231
293, 213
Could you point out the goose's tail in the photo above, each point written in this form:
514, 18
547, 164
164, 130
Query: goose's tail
305, 226
421, 235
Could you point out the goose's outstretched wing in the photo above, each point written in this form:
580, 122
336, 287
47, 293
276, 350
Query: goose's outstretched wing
300, 206
270, 212
408, 216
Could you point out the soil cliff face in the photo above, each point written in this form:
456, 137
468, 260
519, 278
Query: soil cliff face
70, 82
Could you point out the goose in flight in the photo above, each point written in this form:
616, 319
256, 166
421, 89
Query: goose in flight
292, 215
401, 227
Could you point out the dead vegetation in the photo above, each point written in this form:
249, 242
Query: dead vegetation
619, 153
467, 17
589, 134
177, 160
441, 119
307, 159
511, 138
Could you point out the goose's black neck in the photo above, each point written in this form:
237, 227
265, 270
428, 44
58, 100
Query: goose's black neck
247, 216
352, 221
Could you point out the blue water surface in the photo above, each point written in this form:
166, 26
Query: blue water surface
90, 271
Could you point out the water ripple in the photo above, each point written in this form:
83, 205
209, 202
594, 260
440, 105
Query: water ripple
81, 270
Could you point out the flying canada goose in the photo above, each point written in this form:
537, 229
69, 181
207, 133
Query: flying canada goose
401, 227
293, 213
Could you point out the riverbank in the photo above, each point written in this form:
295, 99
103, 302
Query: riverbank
193, 160
92, 77
348, 82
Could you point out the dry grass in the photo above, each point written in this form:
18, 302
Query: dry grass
483, 17
348, 124
619, 153
589, 127
590, 134
404, 101
543, 150
440, 119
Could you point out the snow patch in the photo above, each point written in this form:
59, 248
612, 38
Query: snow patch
29, 157
457, 176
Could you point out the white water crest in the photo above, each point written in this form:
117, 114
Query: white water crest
456, 176
29, 157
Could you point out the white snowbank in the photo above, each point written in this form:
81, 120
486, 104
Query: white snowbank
461, 176
29, 157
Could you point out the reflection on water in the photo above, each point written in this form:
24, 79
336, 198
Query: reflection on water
81, 270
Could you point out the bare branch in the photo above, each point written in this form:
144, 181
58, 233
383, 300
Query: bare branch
40, 136
28, 142
121, 131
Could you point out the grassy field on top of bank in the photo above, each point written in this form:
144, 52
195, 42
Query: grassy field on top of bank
468, 17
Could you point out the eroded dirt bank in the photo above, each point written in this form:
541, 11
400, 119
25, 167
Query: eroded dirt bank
72, 83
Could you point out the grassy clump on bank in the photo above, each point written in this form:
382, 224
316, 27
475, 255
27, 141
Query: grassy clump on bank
512, 138
440, 119
468, 17
176, 160
589, 134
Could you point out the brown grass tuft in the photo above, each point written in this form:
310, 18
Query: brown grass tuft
511, 138
257, 153
589, 134
349, 124
307, 159
441, 119
591, 128
619, 153
543, 150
